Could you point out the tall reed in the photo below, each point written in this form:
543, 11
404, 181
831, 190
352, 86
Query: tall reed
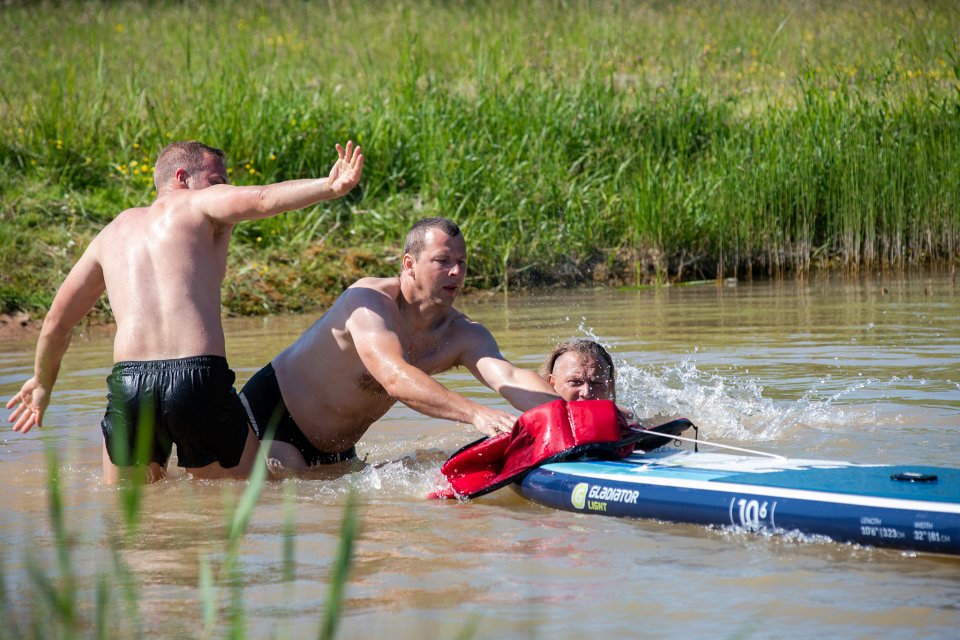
54, 603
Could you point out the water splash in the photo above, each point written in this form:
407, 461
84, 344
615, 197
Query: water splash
730, 407
413, 475
410, 476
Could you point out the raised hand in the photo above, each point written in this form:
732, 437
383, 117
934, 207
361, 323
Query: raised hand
345, 173
33, 400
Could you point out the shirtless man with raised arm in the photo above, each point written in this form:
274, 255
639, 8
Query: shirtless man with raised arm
162, 267
379, 344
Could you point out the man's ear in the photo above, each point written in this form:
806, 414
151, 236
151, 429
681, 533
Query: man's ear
180, 176
551, 380
406, 263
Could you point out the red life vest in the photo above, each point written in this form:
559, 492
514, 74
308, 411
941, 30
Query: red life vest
555, 431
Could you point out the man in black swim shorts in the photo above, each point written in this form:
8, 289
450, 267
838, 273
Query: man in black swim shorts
162, 267
187, 401
270, 419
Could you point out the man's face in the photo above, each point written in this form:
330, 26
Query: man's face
579, 376
441, 267
213, 172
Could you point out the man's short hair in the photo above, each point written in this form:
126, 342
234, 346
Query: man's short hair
189, 155
416, 237
586, 347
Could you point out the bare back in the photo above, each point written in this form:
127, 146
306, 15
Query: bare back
327, 388
163, 267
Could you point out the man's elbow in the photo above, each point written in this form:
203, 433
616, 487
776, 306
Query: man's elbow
403, 388
55, 326
262, 204
396, 389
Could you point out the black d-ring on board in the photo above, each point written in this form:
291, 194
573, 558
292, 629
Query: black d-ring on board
914, 476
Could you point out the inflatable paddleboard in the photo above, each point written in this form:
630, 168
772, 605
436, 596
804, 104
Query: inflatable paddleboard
903, 507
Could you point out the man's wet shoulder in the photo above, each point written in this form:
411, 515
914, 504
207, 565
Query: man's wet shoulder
370, 285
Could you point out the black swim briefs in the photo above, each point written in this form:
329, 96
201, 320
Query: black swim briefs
265, 407
189, 402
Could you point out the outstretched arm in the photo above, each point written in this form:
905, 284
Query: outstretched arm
522, 388
77, 295
228, 205
372, 326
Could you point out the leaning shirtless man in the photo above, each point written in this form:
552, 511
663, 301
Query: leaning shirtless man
379, 344
162, 267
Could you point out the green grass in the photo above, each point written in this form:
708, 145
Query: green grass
615, 141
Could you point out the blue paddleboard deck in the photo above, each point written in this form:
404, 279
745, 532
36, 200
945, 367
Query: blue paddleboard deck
906, 507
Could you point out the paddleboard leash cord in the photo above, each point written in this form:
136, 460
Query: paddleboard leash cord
696, 442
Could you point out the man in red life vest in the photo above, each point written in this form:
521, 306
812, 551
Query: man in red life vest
580, 370
585, 420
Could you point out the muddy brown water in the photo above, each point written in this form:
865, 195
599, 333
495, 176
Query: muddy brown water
866, 370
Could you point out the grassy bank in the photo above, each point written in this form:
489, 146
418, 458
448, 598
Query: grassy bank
616, 142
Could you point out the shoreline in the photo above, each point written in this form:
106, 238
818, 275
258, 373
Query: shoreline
21, 326
18, 326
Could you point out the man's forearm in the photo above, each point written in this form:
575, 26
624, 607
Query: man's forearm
429, 397
294, 194
522, 388
527, 390
51, 346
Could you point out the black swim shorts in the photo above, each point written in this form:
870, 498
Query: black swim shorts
189, 402
265, 407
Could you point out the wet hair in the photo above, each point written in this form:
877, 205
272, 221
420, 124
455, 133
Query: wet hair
416, 237
585, 347
190, 155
